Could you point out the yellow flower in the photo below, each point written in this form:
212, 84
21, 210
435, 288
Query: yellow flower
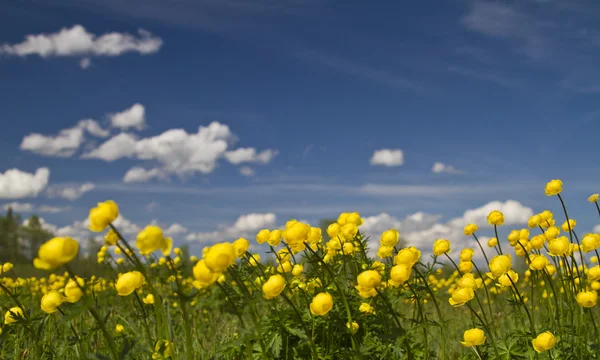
590, 242
349, 231
119, 328
354, 218
366, 308
6, 267
129, 282
273, 287
297, 270
441, 246
558, 246
163, 349
465, 266
467, 254
353, 327
383, 251
204, 277
534, 221
73, 290
553, 187
460, 296
593, 198
544, 341
408, 256
587, 298
219, 257
254, 259
389, 238
56, 252
538, 262
400, 274
51, 301
469, 281
593, 273
111, 238
263, 236
151, 239
148, 299
499, 265
473, 337
321, 304
275, 237
9, 316
102, 215
495, 218
333, 230
240, 246
369, 279
492, 242
505, 281
470, 229
565, 225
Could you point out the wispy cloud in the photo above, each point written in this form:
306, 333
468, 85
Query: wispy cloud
348, 66
487, 76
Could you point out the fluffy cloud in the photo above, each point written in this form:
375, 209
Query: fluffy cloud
79, 230
245, 226
16, 184
66, 143
77, 41
139, 174
70, 192
175, 229
387, 157
179, 152
249, 154
246, 171
421, 229
597, 229
439, 168
133, 117
30, 208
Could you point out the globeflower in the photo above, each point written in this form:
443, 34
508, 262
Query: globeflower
240, 246
587, 298
495, 218
470, 229
51, 301
56, 252
460, 296
273, 287
553, 187
102, 215
129, 282
389, 238
151, 239
473, 337
366, 308
321, 304
558, 246
499, 265
571, 223
203, 275
441, 246
593, 198
9, 316
73, 290
590, 242
467, 254
400, 274
408, 256
544, 341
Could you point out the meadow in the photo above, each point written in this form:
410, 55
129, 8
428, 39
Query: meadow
311, 298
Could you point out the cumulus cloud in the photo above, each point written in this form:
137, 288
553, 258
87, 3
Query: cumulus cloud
70, 192
17, 184
387, 157
179, 152
31, 208
245, 226
597, 229
249, 154
77, 41
246, 171
65, 143
440, 167
79, 230
421, 229
133, 117
139, 174
175, 229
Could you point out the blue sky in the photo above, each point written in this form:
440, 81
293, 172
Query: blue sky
504, 94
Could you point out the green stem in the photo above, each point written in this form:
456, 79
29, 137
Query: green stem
498, 238
437, 307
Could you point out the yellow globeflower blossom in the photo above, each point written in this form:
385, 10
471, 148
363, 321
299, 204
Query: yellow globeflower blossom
353, 327
219, 257
492, 242
275, 237
593, 273
473, 337
163, 349
51, 301
119, 328
148, 299
534, 221
558, 246
263, 236
297, 270
151, 238
587, 298
495, 218
273, 287
470, 229
73, 290
593, 198
571, 223
538, 262
499, 265
383, 251
460, 296
544, 341
56, 252
129, 282
554, 187
321, 304
505, 280
389, 238
465, 267
9, 316
408, 256
204, 277
590, 242
240, 246
467, 254
441, 246
399, 274
111, 238
105, 213
6, 267
366, 308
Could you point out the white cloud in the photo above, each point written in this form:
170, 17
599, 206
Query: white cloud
85, 63
30, 208
177, 151
151, 206
133, 117
175, 229
77, 41
139, 174
245, 226
16, 184
597, 229
514, 213
440, 167
249, 154
46, 226
387, 157
247, 171
66, 143
79, 229
70, 192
